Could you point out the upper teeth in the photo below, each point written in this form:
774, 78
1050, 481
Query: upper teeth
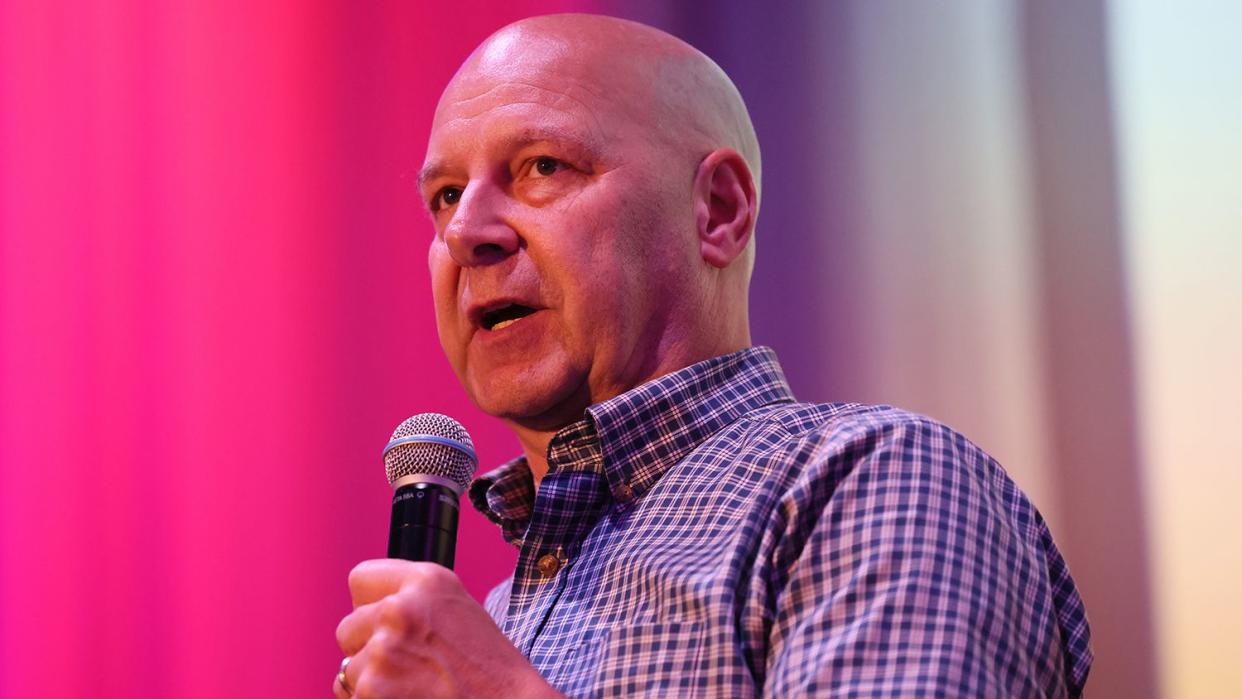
505, 323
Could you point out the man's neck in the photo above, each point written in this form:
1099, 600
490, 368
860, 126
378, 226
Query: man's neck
535, 447
535, 435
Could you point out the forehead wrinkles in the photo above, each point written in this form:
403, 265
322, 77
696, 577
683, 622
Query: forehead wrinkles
573, 102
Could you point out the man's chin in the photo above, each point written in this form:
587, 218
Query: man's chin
534, 403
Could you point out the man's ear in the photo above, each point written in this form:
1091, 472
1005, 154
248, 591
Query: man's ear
724, 206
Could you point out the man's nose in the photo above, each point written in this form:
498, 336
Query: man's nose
478, 233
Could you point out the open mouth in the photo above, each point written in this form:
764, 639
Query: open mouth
505, 316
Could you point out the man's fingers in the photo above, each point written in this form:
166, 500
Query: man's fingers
352, 672
371, 581
337, 690
393, 599
374, 585
374, 580
354, 630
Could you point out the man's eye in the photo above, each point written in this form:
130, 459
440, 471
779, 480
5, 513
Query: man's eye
547, 166
445, 197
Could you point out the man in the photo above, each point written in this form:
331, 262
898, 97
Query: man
685, 527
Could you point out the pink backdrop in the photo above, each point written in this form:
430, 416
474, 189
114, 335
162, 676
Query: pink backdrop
213, 305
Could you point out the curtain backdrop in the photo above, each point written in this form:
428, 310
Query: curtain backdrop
214, 305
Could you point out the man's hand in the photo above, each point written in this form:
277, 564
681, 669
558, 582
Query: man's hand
415, 631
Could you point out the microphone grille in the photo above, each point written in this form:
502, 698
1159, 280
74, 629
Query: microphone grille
431, 444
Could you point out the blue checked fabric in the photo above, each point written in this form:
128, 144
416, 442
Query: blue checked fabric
705, 535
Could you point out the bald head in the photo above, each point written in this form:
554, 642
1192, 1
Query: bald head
604, 172
679, 95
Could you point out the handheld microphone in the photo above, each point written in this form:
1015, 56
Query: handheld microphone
429, 462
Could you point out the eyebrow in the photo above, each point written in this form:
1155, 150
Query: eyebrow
574, 141
431, 171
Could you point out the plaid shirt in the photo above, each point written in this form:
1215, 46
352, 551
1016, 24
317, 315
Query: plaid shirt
705, 535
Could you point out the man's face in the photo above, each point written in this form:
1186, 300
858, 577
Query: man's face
561, 234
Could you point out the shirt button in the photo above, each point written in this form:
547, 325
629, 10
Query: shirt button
624, 493
549, 564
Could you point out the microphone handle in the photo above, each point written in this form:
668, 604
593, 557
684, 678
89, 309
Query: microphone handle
424, 524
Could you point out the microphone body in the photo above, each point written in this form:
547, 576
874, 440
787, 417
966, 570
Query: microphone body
429, 462
424, 524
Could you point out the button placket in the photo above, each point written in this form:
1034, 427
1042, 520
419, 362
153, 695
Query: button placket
623, 493
549, 564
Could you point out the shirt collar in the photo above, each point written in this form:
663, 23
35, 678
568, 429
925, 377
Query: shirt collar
644, 431
636, 436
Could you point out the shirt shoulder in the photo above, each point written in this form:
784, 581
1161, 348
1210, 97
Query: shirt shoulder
841, 465
859, 482
825, 442
815, 447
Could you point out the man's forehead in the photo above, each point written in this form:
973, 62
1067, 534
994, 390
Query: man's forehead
490, 108
618, 83
568, 100
506, 118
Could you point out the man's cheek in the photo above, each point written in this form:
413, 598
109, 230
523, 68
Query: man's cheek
452, 340
436, 253
443, 294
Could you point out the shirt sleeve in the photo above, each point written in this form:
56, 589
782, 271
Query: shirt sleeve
905, 569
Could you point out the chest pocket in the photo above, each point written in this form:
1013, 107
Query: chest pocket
655, 659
